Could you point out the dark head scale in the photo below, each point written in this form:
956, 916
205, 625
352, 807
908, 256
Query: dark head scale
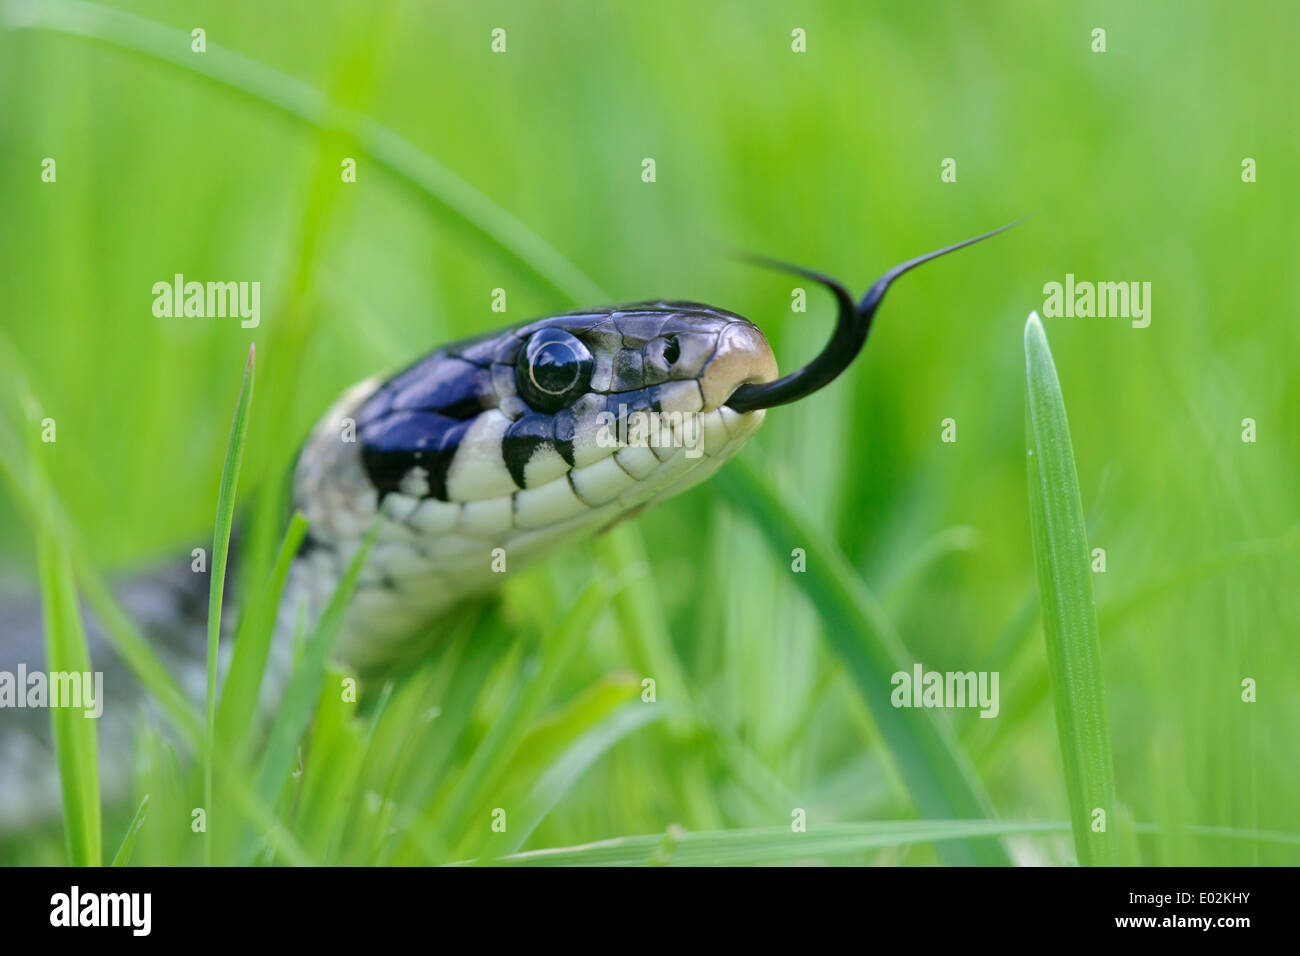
851, 327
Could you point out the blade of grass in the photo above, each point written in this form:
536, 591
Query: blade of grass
75, 736
1069, 611
299, 701
508, 729
421, 769
330, 767
585, 751
643, 631
639, 611
929, 758
217, 578
75, 741
123, 855
774, 845
570, 718
279, 840
767, 846
239, 692
587, 711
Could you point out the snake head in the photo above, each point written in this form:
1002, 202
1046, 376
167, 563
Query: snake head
488, 452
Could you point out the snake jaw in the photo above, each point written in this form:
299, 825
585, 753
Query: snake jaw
742, 357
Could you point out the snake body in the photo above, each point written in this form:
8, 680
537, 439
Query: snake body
476, 459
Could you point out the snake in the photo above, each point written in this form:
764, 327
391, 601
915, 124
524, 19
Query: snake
474, 461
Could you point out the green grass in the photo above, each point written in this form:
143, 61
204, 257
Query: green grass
773, 846
123, 855
526, 176
1069, 613
239, 693
75, 741
936, 772
217, 581
294, 711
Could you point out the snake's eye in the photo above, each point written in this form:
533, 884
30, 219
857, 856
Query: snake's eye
553, 370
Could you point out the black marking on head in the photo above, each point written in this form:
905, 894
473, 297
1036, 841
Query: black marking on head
419, 417
566, 427
521, 440
449, 386
402, 440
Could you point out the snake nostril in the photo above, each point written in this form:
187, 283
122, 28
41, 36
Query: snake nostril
672, 351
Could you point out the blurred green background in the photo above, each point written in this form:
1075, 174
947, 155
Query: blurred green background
830, 158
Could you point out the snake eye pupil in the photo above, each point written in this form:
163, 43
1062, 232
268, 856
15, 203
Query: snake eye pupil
553, 370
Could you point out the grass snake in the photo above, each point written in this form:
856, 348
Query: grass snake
478, 458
